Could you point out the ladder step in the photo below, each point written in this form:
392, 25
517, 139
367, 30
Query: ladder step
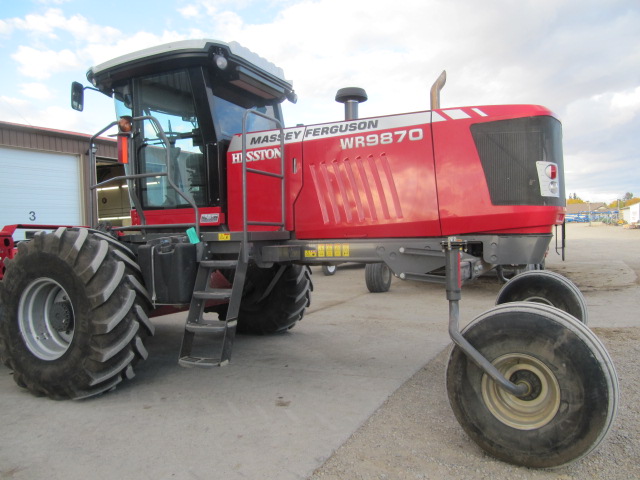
219, 264
196, 322
213, 294
207, 327
202, 362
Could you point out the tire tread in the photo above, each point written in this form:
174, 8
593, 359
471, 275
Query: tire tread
108, 340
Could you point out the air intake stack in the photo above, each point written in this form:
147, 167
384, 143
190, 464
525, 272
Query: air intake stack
351, 97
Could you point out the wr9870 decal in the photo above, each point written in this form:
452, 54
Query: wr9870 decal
386, 138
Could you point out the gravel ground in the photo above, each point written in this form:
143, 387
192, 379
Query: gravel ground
415, 435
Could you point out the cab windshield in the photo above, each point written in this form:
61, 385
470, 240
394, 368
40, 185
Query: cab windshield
229, 117
169, 98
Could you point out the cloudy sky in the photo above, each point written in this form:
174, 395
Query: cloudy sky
579, 58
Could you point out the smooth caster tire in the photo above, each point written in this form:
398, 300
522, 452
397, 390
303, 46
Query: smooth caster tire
572, 392
377, 276
329, 270
545, 287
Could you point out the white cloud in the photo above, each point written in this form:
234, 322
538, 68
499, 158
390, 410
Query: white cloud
626, 105
39, 91
5, 27
12, 102
83, 31
59, 118
29, 112
53, 21
96, 53
52, 2
41, 24
43, 63
599, 176
14, 110
190, 11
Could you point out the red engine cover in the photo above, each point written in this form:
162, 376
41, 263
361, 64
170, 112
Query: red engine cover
410, 175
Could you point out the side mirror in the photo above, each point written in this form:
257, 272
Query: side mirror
77, 96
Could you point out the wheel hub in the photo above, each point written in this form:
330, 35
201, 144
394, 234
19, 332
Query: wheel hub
61, 315
533, 383
46, 319
537, 406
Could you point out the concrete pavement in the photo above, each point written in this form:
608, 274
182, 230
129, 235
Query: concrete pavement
282, 406
286, 402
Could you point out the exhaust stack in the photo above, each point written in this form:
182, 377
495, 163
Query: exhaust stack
351, 97
435, 90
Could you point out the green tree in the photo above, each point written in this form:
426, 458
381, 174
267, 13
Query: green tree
627, 200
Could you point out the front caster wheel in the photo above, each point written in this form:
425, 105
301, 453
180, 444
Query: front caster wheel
377, 277
549, 288
329, 269
572, 386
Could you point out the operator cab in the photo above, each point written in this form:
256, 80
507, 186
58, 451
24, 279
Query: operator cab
198, 90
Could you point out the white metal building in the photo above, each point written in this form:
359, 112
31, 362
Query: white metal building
44, 173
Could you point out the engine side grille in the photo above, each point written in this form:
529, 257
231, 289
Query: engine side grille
509, 150
356, 190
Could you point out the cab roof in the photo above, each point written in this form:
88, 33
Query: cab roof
242, 63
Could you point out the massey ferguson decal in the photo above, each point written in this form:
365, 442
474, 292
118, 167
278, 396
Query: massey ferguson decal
343, 129
340, 128
263, 139
267, 139
358, 133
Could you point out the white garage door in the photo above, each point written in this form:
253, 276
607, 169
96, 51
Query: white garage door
39, 187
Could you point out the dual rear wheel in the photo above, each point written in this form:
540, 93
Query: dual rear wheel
533, 338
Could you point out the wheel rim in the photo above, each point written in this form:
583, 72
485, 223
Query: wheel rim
537, 299
330, 269
539, 404
386, 274
46, 319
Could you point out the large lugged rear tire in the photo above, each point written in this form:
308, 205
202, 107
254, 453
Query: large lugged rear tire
572, 393
74, 314
283, 307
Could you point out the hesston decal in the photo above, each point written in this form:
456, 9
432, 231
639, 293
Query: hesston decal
257, 155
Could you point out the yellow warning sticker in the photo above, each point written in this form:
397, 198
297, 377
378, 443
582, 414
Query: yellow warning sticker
327, 250
224, 237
